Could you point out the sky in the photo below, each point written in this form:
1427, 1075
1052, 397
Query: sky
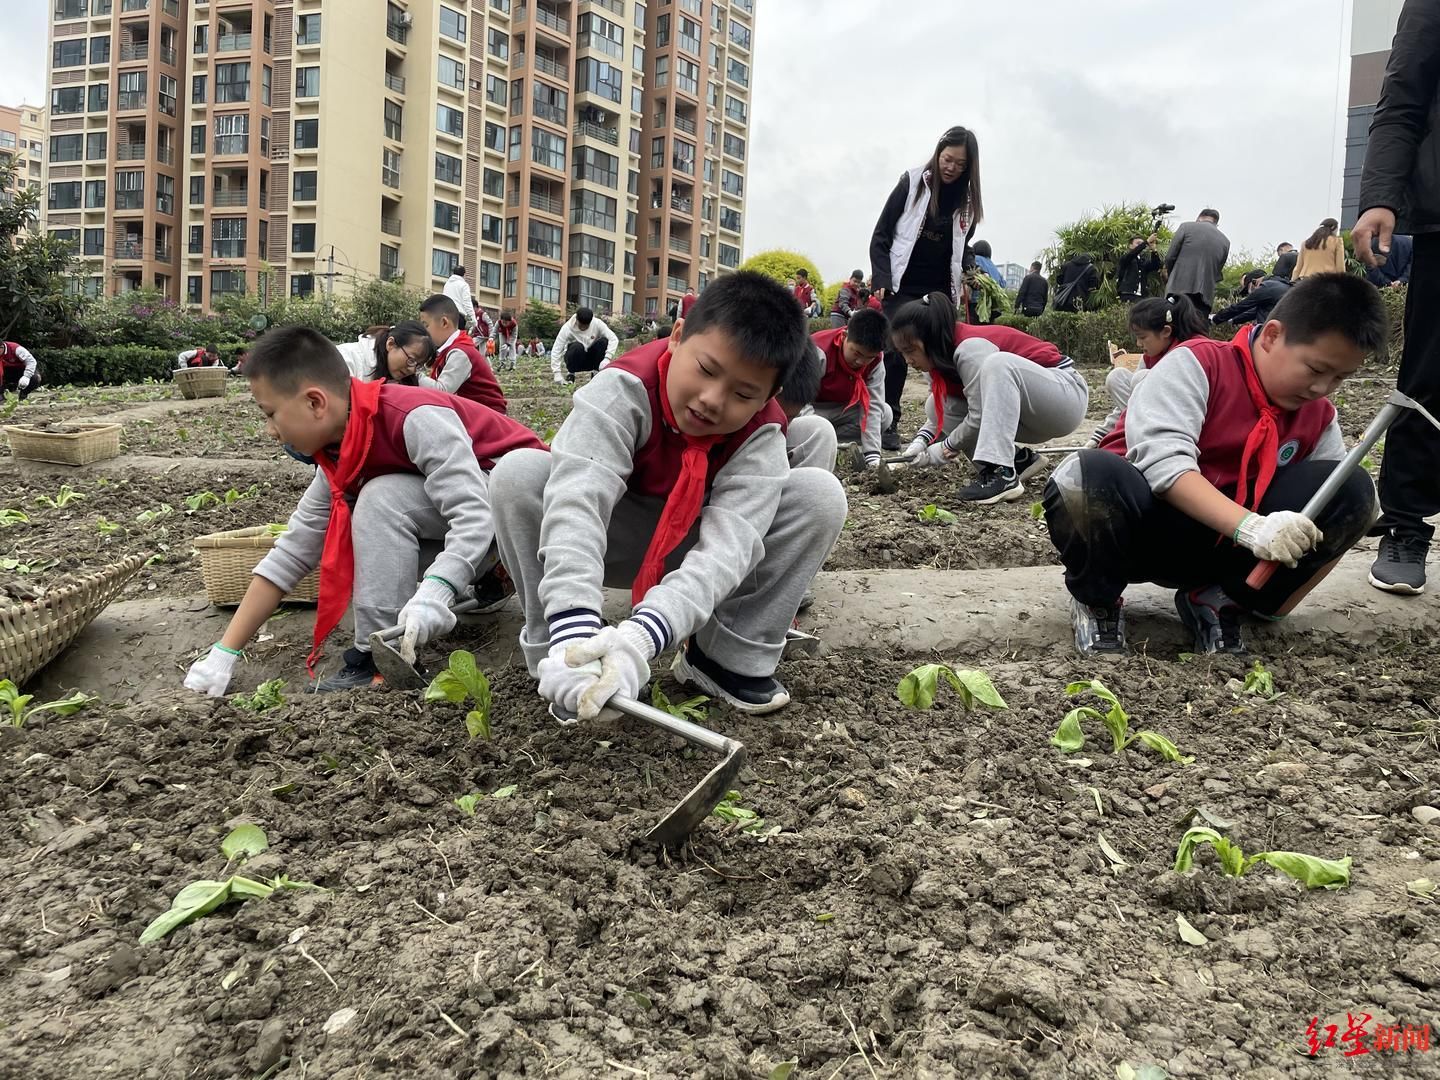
1074, 105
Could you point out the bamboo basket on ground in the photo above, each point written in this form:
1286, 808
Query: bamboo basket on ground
228, 561
201, 381
34, 633
84, 445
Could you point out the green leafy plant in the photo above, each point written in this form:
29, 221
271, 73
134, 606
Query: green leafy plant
17, 705
462, 680
932, 513
745, 820
1310, 870
24, 566
1037, 511
12, 516
468, 803
1069, 737
105, 527
268, 695
917, 690
276, 528
61, 499
149, 517
689, 709
11, 403
200, 500
1259, 681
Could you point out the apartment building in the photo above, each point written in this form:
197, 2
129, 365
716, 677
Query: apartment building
320, 142
22, 144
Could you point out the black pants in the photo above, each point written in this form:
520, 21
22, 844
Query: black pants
895, 368
1201, 304
11, 383
1111, 531
1410, 473
580, 358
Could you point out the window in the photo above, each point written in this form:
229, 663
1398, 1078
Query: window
497, 90
489, 274
227, 282
197, 89
494, 137
729, 219
94, 194
164, 194
516, 136
592, 253
193, 285
714, 57
690, 36
740, 35
304, 185
447, 168
545, 240
169, 89
637, 58
512, 234
629, 264
587, 292
543, 284
100, 49
662, 71
657, 152
710, 132
494, 183
70, 9
600, 34
302, 284
66, 236
712, 93
130, 189
684, 158
452, 24
196, 244
510, 279
629, 222
232, 83
735, 146
65, 196
597, 166
501, 6
447, 216
547, 149
307, 134
201, 38
737, 72
729, 256
490, 228
449, 121
389, 262
640, 16
264, 138
599, 78
687, 75
197, 190
197, 139
265, 84
307, 30
517, 97
66, 147
709, 172
632, 185
94, 242
71, 99
70, 53
390, 167
228, 241
549, 103
307, 82
451, 73
498, 44
662, 30
232, 134
732, 182
443, 263
735, 109
592, 208
394, 115
302, 236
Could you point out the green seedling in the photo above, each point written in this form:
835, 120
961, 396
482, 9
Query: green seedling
243, 841
468, 803
743, 818
276, 528
917, 690
689, 709
22, 566
11, 403
1260, 682
1037, 511
11, 516
61, 499
201, 500
268, 695
232, 496
1069, 737
1310, 870
462, 680
932, 513
105, 527
15, 706
149, 517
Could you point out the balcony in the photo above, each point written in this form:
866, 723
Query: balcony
679, 244
547, 203
543, 110
129, 100
228, 249
132, 250
611, 5
390, 226
395, 82
652, 281
138, 51
165, 155
233, 42
167, 56
231, 198
131, 151
586, 129
683, 123
397, 32
162, 254
675, 284
684, 165
683, 205
129, 200
545, 64
134, 5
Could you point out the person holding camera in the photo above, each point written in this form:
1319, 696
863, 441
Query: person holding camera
1139, 260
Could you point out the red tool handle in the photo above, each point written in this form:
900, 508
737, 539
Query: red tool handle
1262, 573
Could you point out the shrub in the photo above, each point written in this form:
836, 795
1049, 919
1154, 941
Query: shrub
85, 365
780, 265
539, 320
1105, 236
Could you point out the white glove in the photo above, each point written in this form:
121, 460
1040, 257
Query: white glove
917, 447
212, 675
426, 615
934, 455
624, 653
562, 683
872, 461
1284, 536
24, 382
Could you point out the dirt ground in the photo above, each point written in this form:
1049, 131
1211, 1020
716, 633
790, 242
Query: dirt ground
928, 894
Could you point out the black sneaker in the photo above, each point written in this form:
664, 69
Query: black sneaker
1213, 620
1028, 463
358, 673
1098, 629
996, 483
1400, 567
747, 693
493, 589
890, 438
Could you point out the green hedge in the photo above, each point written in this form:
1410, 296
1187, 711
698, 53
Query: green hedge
87, 365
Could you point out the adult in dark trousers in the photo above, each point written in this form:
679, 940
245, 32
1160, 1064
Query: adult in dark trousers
1139, 261
1196, 259
1260, 295
1034, 292
1400, 192
920, 242
1394, 271
1285, 258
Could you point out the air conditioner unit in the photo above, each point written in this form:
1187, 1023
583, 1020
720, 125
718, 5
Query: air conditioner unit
406, 19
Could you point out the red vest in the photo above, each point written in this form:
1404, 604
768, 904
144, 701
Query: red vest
657, 463
686, 303
837, 384
1231, 415
805, 293
1008, 339
482, 385
11, 360
491, 434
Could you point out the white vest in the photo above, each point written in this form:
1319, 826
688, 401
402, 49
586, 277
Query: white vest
907, 231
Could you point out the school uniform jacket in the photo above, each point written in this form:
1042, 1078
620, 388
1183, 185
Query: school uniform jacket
447, 440
837, 386
1193, 413
615, 443
460, 369
17, 361
1006, 339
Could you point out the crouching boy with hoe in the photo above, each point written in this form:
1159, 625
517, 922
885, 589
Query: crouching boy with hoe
399, 466
670, 477
1208, 469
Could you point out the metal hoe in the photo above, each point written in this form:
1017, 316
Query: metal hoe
394, 668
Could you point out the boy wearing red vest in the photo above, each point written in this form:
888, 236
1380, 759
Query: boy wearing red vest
459, 368
1221, 447
398, 466
670, 477
851, 394
21, 373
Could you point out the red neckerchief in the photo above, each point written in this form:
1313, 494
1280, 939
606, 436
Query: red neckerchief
337, 564
682, 505
938, 393
1264, 437
860, 392
460, 340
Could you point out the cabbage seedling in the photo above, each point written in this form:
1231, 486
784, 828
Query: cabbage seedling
468, 803
105, 527
1259, 681
11, 516
200, 500
15, 706
1310, 870
149, 517
689, 709
1069, 737
61, 499
932, 513
268, 695
462, 680
917, 690
743, 818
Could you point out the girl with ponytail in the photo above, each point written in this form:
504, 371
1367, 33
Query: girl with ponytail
1159, 324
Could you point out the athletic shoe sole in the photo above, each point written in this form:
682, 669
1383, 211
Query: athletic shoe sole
1399, 588
1008, 495
1038, 466
1199, 633
689, 676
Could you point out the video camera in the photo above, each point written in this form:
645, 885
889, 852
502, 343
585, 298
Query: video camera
1158, 215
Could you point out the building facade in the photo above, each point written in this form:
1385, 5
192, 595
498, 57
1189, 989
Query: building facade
1372, 28
22, 144
569, 151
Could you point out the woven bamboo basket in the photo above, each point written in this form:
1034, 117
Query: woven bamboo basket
94, 442
34, 633
202, 381
228, 561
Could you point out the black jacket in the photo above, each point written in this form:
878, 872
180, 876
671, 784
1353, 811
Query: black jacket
1082, 273
1134, 265
1285, 264
1033, 295
1402, 163
1257, 306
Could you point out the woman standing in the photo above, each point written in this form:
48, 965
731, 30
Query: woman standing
918, 246
1323, 253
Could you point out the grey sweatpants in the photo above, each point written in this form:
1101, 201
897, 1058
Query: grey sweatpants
746, 633
1009, 399
846, 419
810, 443
1120, 384
397, 533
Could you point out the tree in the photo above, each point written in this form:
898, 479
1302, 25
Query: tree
780, 265
374, 302
539, 321
1105, 236
34, 306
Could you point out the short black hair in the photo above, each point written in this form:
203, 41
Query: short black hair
1137, 236
758, 315
1333, 304
289, 358
459, 269
1213, 215
868, 328
800, 271
1251, 275
1035, 267
857, 275
441, 306
583, 316
983, 249
802, 386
